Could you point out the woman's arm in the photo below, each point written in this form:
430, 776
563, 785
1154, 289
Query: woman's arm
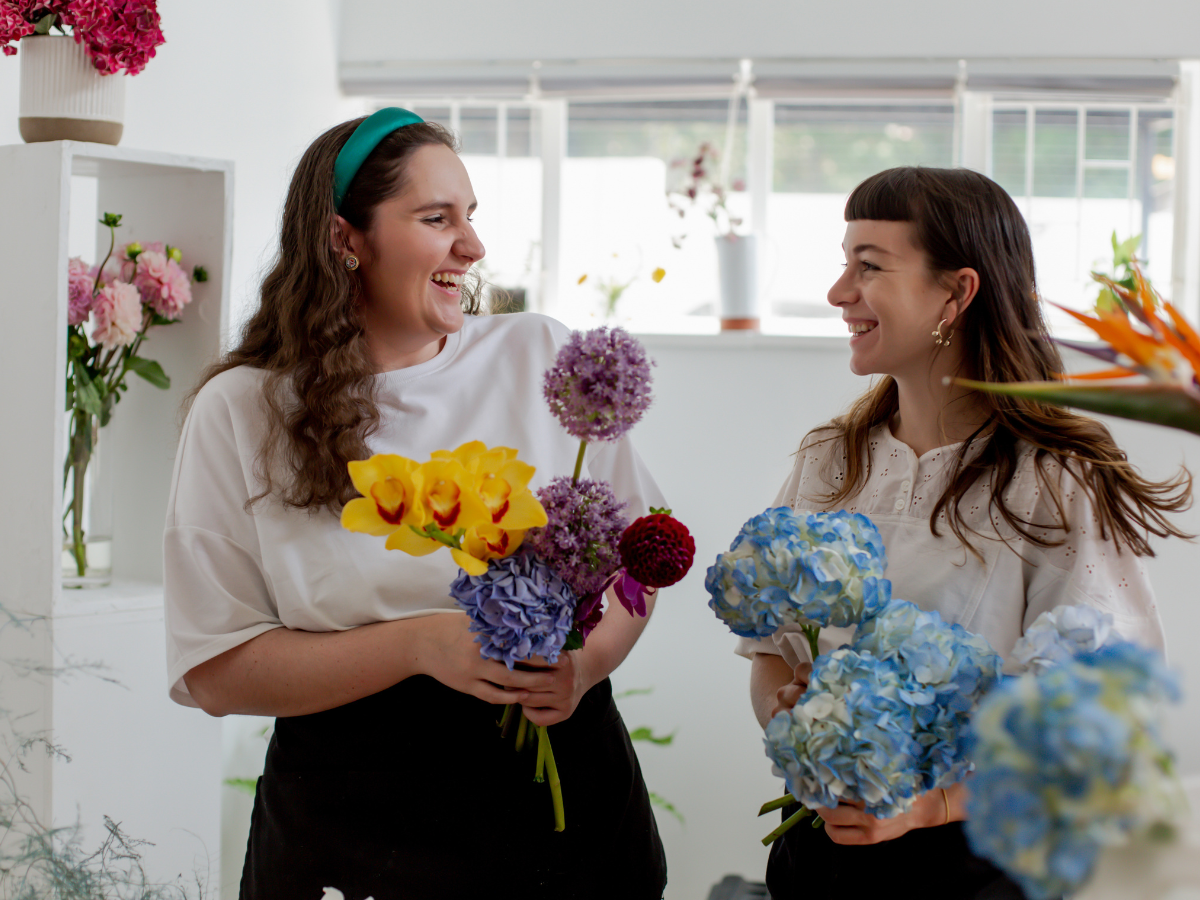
293, 673
774, 685
579, 670
848, 824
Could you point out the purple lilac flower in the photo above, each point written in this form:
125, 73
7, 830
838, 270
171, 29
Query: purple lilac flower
581, 535
599, 386
519, 607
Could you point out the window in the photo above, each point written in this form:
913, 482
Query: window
1079, 172
821, 152
617, 226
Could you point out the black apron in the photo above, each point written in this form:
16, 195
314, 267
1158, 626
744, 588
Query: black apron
928, 862
411, 793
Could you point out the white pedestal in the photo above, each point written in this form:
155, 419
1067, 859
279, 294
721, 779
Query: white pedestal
134, 756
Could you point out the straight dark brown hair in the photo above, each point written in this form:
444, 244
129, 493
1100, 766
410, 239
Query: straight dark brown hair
962, 219
307, 332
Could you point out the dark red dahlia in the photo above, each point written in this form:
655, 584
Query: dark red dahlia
657, 550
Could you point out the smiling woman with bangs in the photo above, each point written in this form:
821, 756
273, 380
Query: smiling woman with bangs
993, 509
386, 776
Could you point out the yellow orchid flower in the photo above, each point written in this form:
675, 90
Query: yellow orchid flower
389, 495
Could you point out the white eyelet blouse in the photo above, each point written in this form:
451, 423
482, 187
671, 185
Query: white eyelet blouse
1016, 580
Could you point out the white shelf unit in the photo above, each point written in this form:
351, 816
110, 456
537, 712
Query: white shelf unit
136, 757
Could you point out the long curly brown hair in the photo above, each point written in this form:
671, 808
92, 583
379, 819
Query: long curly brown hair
307, 332
962, 219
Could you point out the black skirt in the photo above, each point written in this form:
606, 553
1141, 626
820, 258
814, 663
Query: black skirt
411, 793
928, 862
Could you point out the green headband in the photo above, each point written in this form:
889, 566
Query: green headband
366, 137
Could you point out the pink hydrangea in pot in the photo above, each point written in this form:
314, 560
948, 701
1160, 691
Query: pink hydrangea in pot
133, 290
68, 91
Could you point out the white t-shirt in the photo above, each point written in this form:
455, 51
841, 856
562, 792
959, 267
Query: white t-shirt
231, 575
998, 597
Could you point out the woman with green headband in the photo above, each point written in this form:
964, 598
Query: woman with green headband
385, 776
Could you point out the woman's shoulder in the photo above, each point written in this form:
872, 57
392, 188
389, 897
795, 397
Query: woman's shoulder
528, 325
229, 394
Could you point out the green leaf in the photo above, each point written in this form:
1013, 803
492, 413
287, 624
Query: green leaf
200, 274
659, 800
645, 734
45, 23
149, 370
156, 319
87, 397
246, 785
574, 640
1155, 403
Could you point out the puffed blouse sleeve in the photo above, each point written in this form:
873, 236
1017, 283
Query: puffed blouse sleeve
216, 595
1085, 569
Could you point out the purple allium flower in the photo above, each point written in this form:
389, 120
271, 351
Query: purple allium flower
599, 386
581, 535
519, 607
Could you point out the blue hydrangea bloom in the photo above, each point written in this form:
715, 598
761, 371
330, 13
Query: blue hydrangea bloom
1059, 635
824, 568
947, 668
850, 737
1069, 760
519, 607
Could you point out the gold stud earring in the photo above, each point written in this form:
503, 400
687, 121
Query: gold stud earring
942, 340
351, 262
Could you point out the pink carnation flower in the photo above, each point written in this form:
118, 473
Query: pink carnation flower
118, 315
164, 286
80, 285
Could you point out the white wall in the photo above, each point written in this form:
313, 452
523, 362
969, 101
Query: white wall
483, 30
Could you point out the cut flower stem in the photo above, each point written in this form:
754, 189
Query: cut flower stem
579, 462
786, 825
785, 800
522, 730
540, 768
560, 819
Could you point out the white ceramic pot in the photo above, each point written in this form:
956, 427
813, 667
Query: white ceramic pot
64, 97
737, 261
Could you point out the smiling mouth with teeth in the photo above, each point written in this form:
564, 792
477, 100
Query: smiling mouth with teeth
447, 280
862, 327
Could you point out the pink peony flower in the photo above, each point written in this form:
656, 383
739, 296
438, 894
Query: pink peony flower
164, 286
80, 285
118, 315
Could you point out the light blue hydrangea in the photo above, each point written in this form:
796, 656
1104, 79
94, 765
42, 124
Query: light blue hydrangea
947, 669
850, 737
822, 568
1057, 636
1068, 761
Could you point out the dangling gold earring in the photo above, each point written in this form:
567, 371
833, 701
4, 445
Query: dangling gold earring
942, 340
351, 262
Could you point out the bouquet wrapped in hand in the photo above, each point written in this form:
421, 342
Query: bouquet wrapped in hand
883, 719
535, 568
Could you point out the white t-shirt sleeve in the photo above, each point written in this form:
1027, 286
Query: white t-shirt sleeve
1087, 570
215, 593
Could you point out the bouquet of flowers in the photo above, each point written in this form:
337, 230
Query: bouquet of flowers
534, 568
884, 718
695, 183
117, 35
1069, 756
135, 288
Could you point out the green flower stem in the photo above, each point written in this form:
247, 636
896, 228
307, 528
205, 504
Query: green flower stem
522, 729
506, 717
579, 462
812, 632
785, 800
560, 818
78, 461
785, 826
540, 768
